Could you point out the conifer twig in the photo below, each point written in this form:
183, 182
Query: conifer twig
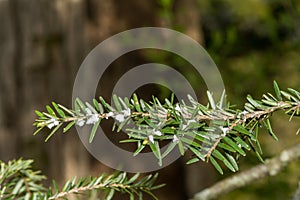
271, 167
297, 193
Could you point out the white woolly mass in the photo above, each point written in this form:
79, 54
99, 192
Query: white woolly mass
80, 122
52, 122
93, 119
126, 112
110, 114
244, 112
158, 133
224, 130
242, 115
175, 139
151, 139
120, 117
88, 111
177, 108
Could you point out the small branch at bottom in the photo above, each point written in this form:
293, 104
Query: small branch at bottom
270, 168
297, 193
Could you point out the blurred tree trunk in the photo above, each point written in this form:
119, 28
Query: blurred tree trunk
43, 43
187, 17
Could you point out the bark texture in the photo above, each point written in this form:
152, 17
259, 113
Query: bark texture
43, 43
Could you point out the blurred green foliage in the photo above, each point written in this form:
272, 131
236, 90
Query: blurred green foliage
253, 42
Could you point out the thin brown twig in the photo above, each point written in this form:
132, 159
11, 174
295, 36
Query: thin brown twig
88, 188
247, 116
271, 168
297, 193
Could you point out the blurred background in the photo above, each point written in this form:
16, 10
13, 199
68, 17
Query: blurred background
43, 42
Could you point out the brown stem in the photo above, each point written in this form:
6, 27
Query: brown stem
297, 193
271, 168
